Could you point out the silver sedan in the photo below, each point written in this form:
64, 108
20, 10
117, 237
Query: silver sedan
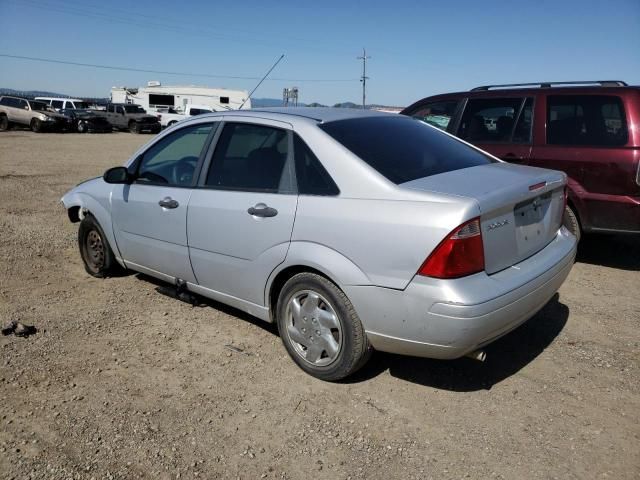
352, 230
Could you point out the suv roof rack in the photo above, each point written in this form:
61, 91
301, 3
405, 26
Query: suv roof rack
602, 83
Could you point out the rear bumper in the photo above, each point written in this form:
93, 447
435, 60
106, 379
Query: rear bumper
449, 318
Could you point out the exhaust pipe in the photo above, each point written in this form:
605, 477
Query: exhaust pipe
479, 355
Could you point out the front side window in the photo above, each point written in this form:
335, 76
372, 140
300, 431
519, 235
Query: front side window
56, 103
172, 161
524, 124
489, 119
438, 114
120, 110
133, 109
596, 120
252, 158
110, 108
402, 148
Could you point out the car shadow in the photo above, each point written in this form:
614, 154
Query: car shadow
615, 251
199, 301
505, 357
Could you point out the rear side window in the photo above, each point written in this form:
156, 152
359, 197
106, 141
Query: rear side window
251, 158
56, 103
438, 114
596, 120
4, 101
312, 178
489, 119
403, 149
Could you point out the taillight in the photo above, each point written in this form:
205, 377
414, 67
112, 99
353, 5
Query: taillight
458, 255
566, 197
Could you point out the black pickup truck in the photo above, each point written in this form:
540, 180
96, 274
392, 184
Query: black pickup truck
132, 117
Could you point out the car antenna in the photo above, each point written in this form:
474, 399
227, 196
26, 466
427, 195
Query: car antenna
260, 82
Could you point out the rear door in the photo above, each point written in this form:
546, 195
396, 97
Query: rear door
500, 125
241, 215
150, 215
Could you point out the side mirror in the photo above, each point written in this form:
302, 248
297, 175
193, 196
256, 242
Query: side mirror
117, 175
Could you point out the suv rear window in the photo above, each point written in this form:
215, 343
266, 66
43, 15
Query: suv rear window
402, 148
596, 120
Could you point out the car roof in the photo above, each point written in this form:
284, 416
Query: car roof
497, 92
314, 114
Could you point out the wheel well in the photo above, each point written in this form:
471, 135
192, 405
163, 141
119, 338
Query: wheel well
572, 206
282, 278
74, 214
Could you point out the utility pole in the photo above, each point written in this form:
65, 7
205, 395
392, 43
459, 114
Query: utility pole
364, 77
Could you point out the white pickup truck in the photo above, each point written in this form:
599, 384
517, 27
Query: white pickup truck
171, 116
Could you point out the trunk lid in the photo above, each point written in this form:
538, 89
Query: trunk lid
521, 208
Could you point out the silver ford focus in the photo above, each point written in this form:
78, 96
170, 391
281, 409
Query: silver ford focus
352, 230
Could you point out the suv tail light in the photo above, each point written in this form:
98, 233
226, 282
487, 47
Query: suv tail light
458, 255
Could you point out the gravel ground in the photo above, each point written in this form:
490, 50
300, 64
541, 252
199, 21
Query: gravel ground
122, 382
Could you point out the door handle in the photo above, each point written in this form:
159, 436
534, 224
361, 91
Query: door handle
262, 210
512, 157
168, 202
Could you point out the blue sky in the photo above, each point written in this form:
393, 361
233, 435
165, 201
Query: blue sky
418, 48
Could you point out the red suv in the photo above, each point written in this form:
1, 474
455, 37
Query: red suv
590, 130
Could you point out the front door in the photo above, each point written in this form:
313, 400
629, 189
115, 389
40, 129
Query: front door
150, 215
241, 215
500, 126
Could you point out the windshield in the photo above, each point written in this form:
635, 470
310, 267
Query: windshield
81, 105
43, 107
134, 109
403, 148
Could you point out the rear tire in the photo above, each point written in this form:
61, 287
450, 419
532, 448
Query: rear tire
97, 256
571, 222
36, 125
324, 337
4, 123
82, 127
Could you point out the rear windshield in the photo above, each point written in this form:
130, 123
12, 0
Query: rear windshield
403, 149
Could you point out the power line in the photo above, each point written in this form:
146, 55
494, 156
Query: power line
181, 74
157, 23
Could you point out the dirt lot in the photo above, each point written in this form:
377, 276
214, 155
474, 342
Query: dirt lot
122, 382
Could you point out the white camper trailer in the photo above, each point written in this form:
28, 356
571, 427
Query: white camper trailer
155, 96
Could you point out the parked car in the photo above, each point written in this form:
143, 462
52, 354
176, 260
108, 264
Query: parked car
584, 129
59, 103
87, 121
130, 117
351, 229
171, 116
33, 114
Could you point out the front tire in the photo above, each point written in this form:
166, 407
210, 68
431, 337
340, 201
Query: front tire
97, 256
82, 127
36, 125
133, 127
571, 222
4, 123
320, 328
